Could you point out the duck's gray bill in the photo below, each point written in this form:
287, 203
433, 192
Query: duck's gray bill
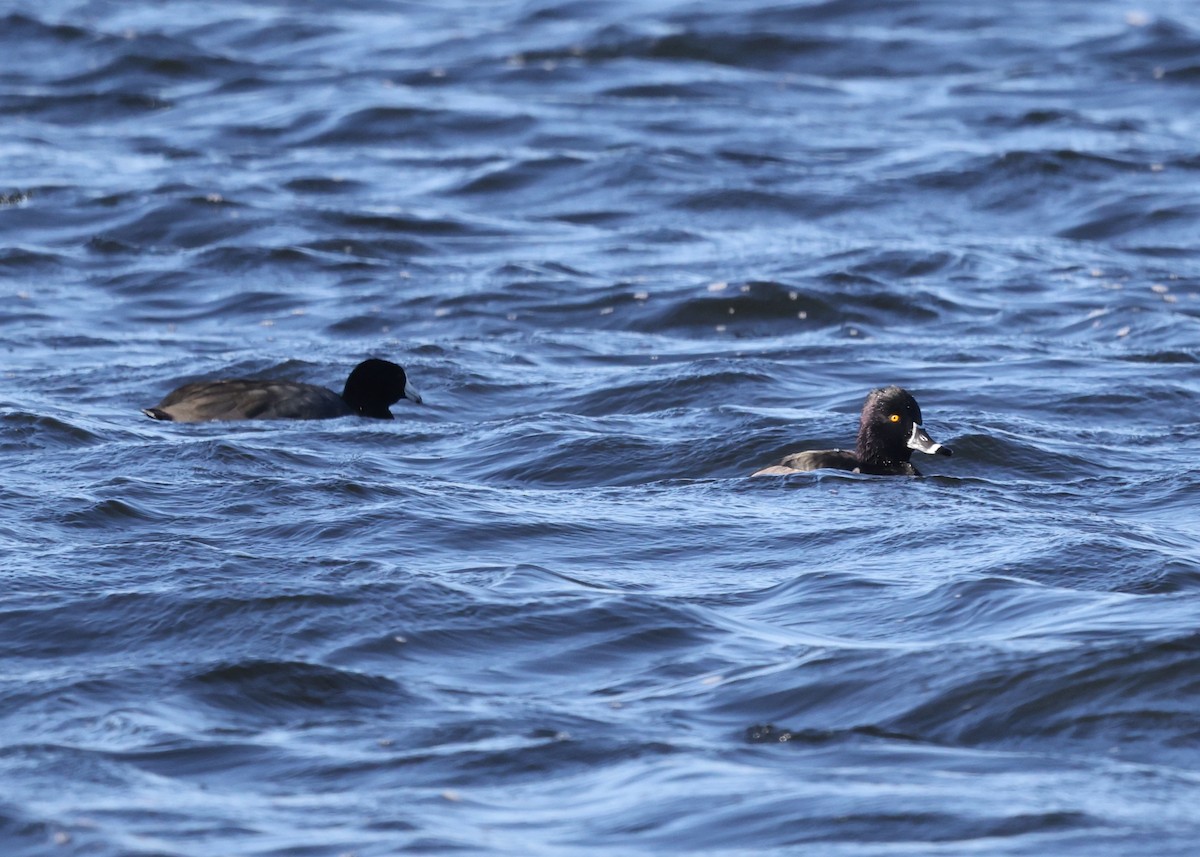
922, 442
410, 392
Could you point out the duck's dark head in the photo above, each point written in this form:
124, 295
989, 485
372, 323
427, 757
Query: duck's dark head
375, 385
890, 429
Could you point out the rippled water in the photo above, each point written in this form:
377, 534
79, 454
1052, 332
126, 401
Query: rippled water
629, 253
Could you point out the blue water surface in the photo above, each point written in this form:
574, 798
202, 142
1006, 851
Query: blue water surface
629, 254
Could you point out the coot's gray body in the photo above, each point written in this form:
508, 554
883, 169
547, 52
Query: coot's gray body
371, 389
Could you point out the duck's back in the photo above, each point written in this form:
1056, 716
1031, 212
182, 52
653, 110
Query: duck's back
249, 400
813, 459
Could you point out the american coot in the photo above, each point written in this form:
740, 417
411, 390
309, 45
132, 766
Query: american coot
888, 432
371, 388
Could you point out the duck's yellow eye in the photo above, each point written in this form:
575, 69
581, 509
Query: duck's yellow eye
894, 418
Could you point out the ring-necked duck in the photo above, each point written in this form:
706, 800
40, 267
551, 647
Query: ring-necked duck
372, 387
888, 432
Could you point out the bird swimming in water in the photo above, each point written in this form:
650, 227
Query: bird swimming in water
888, 432
371, 389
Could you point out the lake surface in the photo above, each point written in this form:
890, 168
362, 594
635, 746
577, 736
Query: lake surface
629, 253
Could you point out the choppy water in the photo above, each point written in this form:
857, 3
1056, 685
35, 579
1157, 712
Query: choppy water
629, 252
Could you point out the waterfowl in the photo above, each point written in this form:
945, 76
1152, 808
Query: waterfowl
888, 432
371, 389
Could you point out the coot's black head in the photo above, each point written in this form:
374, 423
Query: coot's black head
890, 429
376, 384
